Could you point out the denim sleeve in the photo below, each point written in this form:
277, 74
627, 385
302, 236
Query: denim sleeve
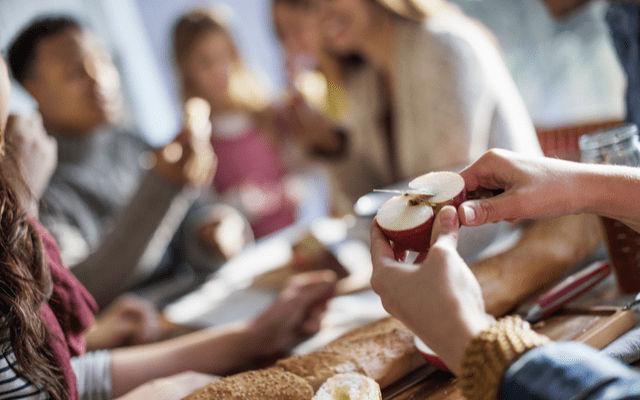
569, 371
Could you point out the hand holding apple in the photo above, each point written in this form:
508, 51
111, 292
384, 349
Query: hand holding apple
440, 299
407, 219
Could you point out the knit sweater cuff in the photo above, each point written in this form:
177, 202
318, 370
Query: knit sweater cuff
490, 353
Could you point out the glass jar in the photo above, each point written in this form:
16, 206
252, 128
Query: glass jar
617, 146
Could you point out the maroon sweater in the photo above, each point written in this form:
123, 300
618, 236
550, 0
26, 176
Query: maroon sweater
68, 314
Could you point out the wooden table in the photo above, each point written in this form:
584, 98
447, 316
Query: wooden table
568, 324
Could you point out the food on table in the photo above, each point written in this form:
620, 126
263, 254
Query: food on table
309, 254
349, 387
264, 384
387, 353
197, 118
382, 351
407, 219
317, 367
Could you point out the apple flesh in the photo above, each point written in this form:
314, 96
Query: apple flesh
447, 188
407, 220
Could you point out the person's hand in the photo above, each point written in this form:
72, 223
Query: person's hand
130, 320
174, 387
309, 126
35, 151
533, 188
440, 299
187, 161
226, 232
296, 314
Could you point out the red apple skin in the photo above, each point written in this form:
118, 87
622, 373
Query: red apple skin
415, 239
435, 361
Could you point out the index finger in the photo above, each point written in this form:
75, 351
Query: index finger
487, 171
380, 247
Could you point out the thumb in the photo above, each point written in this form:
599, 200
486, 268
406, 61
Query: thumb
446, 227
483, 211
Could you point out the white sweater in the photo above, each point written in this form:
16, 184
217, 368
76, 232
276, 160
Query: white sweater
453, 99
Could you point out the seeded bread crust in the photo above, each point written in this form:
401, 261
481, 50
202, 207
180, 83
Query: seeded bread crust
383, 350
264, 384
319, 366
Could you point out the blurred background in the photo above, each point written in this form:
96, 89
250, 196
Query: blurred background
565, 69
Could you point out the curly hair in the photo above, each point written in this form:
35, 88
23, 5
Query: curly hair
25, 283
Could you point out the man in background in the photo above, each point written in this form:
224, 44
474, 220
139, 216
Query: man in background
120, 212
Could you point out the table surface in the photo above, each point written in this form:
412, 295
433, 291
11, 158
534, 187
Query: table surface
345, 312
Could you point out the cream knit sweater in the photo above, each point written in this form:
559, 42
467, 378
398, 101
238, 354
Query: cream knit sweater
453, 98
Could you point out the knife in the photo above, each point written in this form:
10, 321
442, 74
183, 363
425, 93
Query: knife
567, 290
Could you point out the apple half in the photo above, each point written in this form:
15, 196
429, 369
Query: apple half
407, 219
446, 188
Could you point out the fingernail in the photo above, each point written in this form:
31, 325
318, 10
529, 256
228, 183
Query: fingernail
469, 214
449, 217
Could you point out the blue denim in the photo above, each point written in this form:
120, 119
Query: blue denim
566, 371
624, 24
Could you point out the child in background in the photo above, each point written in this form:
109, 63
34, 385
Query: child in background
251, 172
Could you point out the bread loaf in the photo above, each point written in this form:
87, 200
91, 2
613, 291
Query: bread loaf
349, 387
264, 384
385, 350
317, 367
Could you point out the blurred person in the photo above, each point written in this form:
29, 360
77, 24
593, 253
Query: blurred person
130, 320
432, 80
46, 311
250, 172
623, 19
113, 217
313, 106
317, 98
505, 359
434, 94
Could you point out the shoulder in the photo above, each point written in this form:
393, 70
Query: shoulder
454, 37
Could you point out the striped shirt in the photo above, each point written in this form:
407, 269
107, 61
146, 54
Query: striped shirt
93, 376
12, 385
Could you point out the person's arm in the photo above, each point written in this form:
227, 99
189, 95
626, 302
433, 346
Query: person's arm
568, 370
295, 314
137, 241
493, 359
546, 250
144, 229
211, 233
538, 187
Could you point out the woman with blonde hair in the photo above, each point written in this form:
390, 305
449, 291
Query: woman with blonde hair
251, 171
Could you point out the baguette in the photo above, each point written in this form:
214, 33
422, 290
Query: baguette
264, 384
384, 349
317, 367
349, 386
